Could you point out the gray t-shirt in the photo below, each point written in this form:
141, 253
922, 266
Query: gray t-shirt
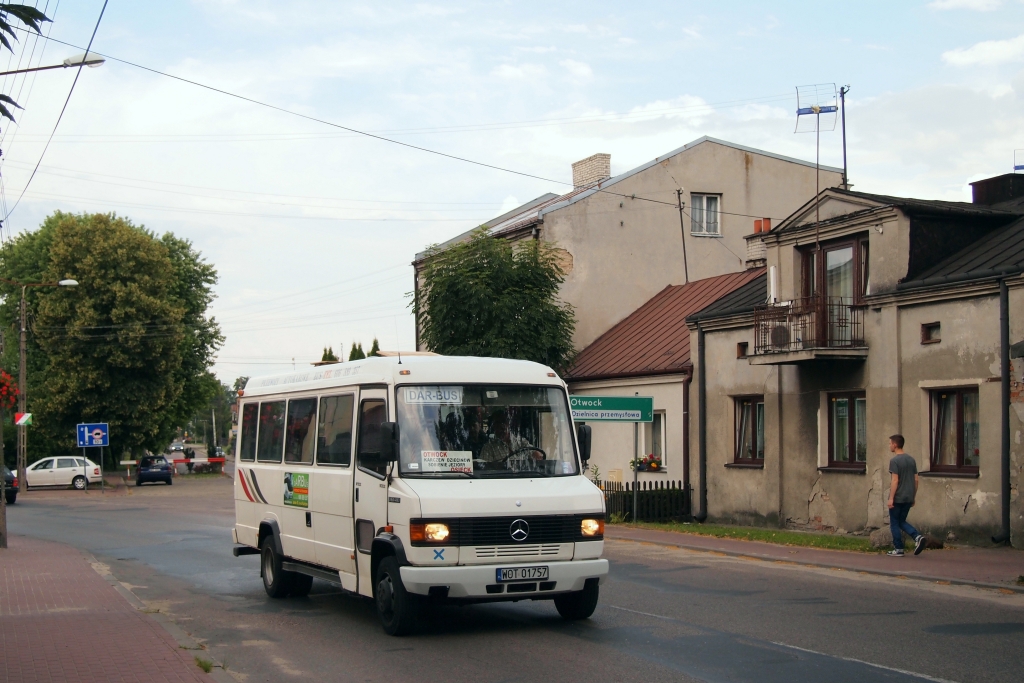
905, 467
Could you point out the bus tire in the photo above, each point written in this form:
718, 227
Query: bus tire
276, 581
300, 585
397, 609
578, 605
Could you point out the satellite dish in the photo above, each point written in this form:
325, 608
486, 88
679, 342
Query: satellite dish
816, 108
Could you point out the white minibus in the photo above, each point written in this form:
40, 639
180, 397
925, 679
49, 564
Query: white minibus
419, 480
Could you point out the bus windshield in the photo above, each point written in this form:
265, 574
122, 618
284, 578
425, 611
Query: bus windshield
484, 431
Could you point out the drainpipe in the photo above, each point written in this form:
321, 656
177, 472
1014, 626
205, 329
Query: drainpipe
686, 439
702, 428
1004, 404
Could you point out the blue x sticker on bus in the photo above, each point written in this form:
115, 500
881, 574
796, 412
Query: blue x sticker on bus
439, 554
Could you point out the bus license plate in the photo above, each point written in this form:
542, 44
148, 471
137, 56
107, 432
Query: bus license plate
521, 574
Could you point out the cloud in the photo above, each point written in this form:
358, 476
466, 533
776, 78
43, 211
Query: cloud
577, 69
518, 72
976, 5
987, 53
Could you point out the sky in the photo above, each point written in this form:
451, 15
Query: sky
312, 228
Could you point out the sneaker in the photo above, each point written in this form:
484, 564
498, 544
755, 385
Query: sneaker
921, 543
895, 553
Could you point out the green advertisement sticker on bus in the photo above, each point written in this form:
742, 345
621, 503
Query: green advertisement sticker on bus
296, 489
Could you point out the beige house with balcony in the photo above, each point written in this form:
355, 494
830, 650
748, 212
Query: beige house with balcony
876, 315
679, 218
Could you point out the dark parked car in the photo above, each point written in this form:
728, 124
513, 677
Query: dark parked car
154, 468
11, 491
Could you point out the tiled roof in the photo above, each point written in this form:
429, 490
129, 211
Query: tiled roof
1000, 251
654, 339
741, 300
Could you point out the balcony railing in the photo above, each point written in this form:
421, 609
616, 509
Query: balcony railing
808, 323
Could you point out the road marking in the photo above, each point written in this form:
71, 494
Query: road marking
802, 649
925, 677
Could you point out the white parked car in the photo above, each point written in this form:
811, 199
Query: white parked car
65, 471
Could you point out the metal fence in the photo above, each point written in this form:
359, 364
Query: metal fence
808, 323
656, 501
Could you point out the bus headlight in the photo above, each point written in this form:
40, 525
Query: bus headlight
592, 527
429, 532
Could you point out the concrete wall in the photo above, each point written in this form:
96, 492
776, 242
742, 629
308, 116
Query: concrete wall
624, 251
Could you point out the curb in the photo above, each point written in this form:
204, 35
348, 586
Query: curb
183, 639
826, 565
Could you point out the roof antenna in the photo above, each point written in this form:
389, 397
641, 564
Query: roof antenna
398, 342
817, 100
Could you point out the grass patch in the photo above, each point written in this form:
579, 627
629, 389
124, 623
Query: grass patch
204, 664
1020, 580
778, 536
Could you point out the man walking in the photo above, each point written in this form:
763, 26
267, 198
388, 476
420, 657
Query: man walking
902, 491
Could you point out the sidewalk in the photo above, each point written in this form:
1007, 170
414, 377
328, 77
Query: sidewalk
61, 621
986, 567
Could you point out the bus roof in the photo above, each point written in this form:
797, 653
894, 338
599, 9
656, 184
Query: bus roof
420, 369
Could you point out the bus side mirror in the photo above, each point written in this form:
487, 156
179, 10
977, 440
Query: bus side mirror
389, 441
583, 433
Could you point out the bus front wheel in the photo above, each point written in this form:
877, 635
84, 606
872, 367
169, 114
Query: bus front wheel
578, 605
398, 611
275, 580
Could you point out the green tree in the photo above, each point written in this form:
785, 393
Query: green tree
491, 297
328, 354
357, 352
131, 345
374, 349
30, 17
240, 383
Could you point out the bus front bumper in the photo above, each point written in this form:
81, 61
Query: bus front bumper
480, 581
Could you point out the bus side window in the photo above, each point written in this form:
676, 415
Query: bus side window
372, 414
299, 436
334, 438
250, 413
270, 444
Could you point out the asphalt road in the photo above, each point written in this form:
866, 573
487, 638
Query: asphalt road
665, 614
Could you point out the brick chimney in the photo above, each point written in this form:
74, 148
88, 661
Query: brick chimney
592, 169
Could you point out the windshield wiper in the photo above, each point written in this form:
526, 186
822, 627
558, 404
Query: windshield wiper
435, 475
512, 474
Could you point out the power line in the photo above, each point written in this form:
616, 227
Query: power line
62, 110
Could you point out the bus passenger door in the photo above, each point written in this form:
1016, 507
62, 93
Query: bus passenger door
371, 493
331, 507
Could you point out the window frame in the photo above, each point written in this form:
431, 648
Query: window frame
352, 426
929, 330
242, 431
284, 425
812, 269
359, 434
852, 463
702, 222
738, 401
933, 445
658, 418
313, 425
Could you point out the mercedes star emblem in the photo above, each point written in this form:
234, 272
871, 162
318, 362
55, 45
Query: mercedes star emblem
519, 530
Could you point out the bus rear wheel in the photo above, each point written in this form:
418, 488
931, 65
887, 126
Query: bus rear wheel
276, 581
397, 609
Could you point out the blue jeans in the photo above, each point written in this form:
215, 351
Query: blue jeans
898, 524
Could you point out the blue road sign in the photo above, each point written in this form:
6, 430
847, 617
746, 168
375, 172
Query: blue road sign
90, 435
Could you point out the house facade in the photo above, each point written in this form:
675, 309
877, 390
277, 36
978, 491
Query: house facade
680, 218
875, 315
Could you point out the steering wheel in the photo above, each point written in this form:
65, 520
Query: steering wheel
526, 448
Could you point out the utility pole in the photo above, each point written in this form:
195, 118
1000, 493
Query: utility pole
842, 109
682, 228
22, 430
213, 415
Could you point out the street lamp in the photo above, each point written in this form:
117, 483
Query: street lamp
91, 60
22, 449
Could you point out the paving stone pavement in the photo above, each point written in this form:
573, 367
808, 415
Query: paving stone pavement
61, 621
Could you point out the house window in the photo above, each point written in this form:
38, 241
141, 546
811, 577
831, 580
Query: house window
654, 438
704, 214
840, 273
750, 429
847, 430
931, 333
742, 349
955, 430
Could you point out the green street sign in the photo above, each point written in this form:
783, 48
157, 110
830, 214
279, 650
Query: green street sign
612, 408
